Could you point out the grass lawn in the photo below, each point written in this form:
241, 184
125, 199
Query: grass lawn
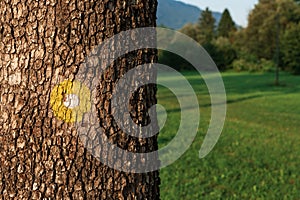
258, 153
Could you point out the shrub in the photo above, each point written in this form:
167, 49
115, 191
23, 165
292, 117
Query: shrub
241, 65
267, 65
248, 65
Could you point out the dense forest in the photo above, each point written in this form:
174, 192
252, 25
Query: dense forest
271, 38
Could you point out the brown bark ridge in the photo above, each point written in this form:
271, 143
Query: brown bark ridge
43, 43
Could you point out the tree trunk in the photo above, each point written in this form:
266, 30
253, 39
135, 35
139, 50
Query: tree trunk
43, 44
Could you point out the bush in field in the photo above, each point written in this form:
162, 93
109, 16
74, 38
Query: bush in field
245, 62
262, 65
267, 65
241, 65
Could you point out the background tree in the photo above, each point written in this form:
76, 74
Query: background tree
42, 44
224, 53
261, 32
226, 24
190, 30
206, 26
291, 46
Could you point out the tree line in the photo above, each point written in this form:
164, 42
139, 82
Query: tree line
271, 37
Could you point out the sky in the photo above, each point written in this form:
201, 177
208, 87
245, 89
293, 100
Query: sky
239, 9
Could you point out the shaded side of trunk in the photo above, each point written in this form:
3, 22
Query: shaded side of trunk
43, 43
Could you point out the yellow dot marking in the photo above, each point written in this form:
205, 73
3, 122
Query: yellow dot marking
62, 93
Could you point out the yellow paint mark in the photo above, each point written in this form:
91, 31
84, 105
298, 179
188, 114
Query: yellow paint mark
61, 92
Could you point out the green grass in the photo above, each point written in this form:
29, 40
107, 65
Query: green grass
258, 153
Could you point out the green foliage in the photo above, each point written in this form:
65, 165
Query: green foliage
170, 59
291, 48
262, 29
257, 155
175, 61
206, 27
222, 52
271, 22
225, 53
190, 30
226, 25
244, 64
265, 20
267, 65
250, 62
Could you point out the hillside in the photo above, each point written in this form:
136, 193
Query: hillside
175, 14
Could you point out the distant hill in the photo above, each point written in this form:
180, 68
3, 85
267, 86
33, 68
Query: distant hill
175, 14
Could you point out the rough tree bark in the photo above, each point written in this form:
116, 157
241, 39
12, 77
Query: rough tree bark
43, 43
